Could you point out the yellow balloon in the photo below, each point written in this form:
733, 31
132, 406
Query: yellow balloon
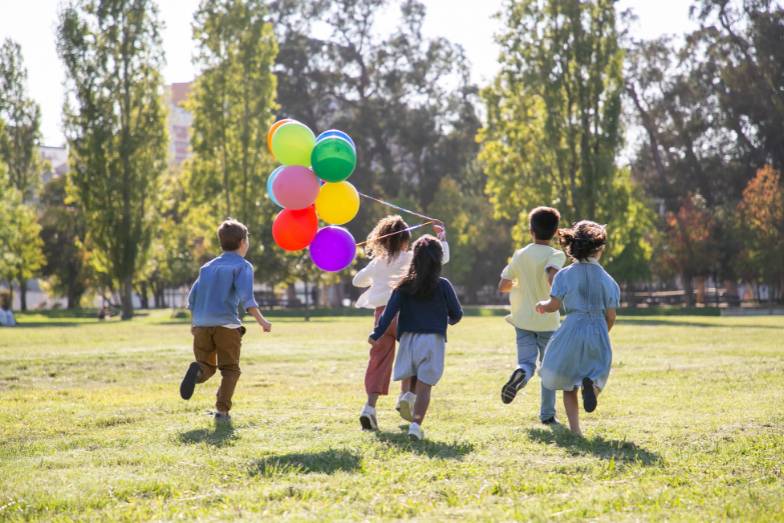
337, 203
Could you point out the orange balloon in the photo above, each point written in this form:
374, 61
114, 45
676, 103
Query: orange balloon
272, 129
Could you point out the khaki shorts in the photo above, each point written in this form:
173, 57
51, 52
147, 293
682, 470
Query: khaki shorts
420, 355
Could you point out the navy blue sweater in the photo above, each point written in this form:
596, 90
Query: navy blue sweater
421, 315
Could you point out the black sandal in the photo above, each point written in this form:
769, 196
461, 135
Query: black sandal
515, 383
589, 395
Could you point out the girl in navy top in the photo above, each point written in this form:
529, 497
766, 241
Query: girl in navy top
426, 303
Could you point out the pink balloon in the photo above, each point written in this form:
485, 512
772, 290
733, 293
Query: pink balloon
296, 187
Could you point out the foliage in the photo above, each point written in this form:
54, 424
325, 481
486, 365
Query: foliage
114, 120
553, 124
762, 216
63, 230
233, 103
20, 241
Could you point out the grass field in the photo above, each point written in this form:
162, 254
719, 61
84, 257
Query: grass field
690, 427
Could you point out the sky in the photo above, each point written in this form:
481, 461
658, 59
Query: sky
471, 23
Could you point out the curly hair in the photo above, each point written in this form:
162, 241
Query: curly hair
388, 238
583, 240
425, 269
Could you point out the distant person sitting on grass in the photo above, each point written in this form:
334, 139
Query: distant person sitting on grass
579, 353
425, 303
527, 279
6, 314
224, 284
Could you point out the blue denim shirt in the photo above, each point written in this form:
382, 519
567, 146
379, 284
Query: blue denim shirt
223, 284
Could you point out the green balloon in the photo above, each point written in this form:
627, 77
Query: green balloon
292, 144
333, 159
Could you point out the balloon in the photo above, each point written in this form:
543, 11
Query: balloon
333, 159
292, 144
273, 128
333, 249
270, 181
294, 230
337, 133
295, 187
337, 203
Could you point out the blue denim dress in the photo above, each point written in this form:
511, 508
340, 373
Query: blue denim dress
580, 347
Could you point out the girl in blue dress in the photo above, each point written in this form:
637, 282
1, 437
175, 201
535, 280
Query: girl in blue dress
579, 353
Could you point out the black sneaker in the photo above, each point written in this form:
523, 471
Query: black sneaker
550, 421
189, 381
515, 383
589, 395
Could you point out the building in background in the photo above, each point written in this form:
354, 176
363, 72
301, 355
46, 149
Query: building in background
179, 122
57, 157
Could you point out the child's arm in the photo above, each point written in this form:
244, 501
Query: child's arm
505, 285
192, 294
453, 307
392, 308
551, 305
440, 231
364, 278
609, 315
551, 272
243, 282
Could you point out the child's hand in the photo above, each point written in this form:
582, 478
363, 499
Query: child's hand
540, 307
371, 340
265, 325
440, 230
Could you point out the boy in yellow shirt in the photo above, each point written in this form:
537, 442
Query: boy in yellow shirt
527, 279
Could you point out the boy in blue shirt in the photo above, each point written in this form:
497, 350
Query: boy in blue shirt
224, 284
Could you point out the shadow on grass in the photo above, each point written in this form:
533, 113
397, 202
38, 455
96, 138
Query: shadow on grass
429, 448
47, 323
658, 322
325, 462
620, 451
220, 436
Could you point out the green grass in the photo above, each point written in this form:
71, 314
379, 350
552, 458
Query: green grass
690, 427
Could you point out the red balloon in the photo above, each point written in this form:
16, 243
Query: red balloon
293, 230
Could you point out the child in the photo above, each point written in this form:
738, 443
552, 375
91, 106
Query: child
579, 352
426, 302
224, 283
532, 268
387, 245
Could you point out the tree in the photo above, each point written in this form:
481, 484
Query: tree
762, 214
233, 104
115, 125
63, 230
22, 116
20, 138
553, 123
20, 241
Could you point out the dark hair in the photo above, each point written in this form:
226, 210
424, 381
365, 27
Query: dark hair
388, 237
425, 269
231, 233
543, 221
583, 240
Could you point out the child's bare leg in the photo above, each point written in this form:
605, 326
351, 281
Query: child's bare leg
372, 398
408, 384
422, 401
572, 411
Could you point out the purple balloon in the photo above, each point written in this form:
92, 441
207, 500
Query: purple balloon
333, 249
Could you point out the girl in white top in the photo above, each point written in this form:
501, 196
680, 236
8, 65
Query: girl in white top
388, 247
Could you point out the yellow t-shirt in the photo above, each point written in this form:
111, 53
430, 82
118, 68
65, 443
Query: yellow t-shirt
528, 269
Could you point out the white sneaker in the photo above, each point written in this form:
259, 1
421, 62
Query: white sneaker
368, 418
415, 432
405, 405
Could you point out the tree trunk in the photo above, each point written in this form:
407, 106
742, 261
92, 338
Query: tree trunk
689, 289
307, 302
126, 297
73, 298
143, 295
23, 294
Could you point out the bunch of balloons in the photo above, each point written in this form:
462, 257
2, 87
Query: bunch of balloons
311, 184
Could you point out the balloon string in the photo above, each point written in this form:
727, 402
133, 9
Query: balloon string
382, 202
398, 232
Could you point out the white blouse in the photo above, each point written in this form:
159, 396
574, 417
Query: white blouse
381, 275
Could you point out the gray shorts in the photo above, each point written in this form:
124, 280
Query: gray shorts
420, 355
